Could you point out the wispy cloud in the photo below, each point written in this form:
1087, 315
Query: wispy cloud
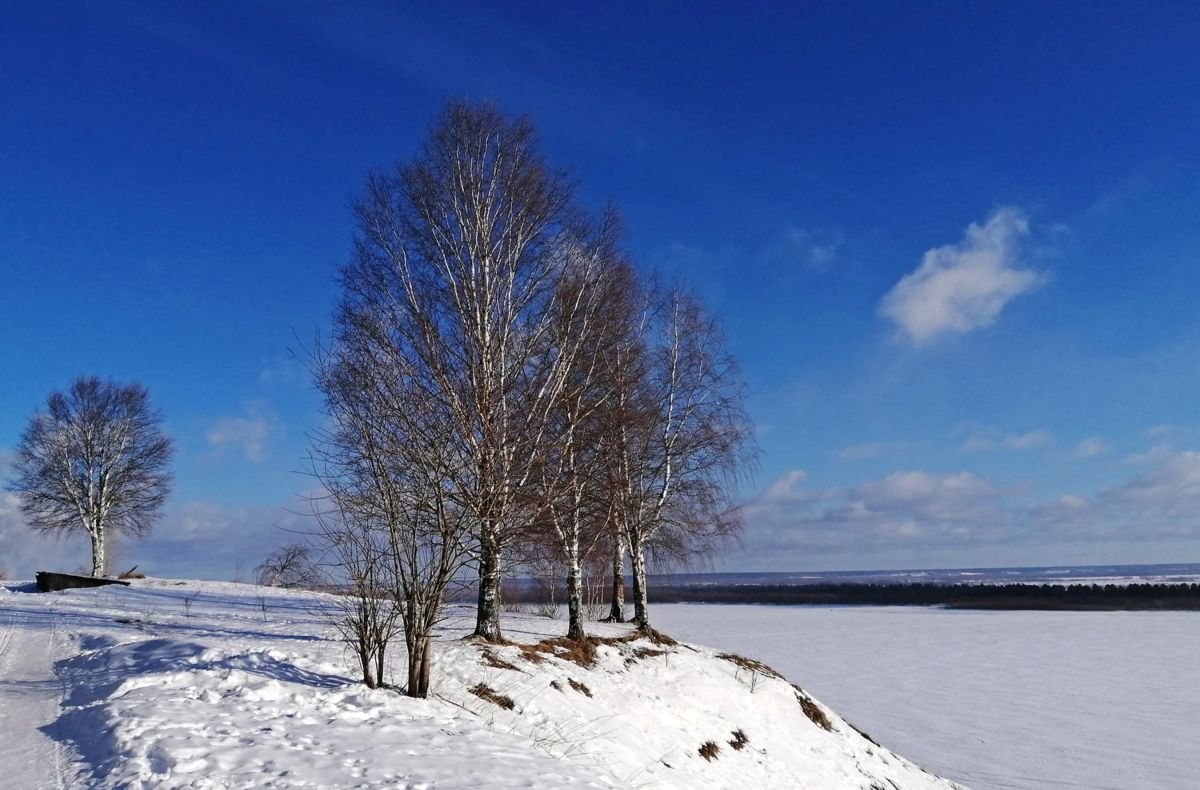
982, 442
811, 248
793, 248
961, 287
863, 452
247, 433
1090, 448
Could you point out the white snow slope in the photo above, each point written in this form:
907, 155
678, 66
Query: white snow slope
205, 684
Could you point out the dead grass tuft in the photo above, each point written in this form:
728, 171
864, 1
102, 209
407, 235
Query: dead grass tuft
751, 664
709, 750
580, 687
531, 653
812, 711
486, 692
739, 740
493, 660
583, 651
657, 637
579, 651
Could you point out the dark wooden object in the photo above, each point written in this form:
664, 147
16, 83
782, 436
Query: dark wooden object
52, 582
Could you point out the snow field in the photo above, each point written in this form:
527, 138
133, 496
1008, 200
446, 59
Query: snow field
996, 700
221, 685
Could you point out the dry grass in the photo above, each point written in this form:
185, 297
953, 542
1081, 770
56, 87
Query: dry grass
580, 687
486, 692
750, 664
812, 711
531, 654
583, 651
739, 740
493, 660
655, 637
579, 651
709, 750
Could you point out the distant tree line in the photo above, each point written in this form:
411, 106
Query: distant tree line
1077, 597
503, 385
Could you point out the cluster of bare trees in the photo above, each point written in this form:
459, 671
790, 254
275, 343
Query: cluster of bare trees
501, 378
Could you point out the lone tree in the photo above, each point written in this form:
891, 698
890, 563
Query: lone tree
95, 460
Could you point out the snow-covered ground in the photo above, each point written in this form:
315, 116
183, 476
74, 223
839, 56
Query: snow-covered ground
203, 684
1089, 700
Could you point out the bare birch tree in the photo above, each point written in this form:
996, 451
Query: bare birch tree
95, 461
574, 511
463, 245
679, 439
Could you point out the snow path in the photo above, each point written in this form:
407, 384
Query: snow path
996, 700
30, 695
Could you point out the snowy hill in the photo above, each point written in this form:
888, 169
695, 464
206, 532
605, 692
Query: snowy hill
205, 684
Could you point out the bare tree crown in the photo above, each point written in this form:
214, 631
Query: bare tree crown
95, 460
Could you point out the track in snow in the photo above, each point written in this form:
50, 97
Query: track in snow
30, 702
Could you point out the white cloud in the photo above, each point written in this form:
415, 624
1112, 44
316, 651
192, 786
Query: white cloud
23, 551
1172, 486
1155, 455
911, 508
963, 286
919, 493
918, 514
209, 540
247, 433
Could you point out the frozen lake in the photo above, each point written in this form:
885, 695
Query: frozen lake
1089, 700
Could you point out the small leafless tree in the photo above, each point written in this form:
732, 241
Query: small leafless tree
595, 576
365, 614
386, 463
291, 565
96, 461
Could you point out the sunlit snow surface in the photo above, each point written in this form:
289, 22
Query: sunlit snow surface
1090, 700
214, 685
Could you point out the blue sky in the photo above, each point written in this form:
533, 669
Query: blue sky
955, 246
